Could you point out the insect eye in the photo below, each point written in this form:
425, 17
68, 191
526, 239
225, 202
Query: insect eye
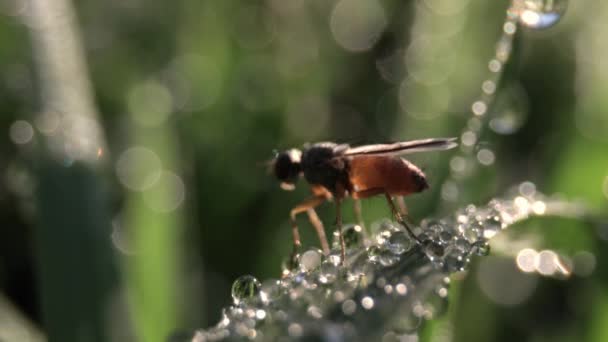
282, 166
287, 166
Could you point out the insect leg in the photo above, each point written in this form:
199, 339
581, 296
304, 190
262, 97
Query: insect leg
402, 207
339, 225
307, 205
399, 218
357, 210
316, 222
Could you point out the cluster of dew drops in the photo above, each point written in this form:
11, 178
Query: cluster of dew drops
320, 298
382, 268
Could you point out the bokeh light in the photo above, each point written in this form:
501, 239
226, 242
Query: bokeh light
357, 24
21, 132
138, 168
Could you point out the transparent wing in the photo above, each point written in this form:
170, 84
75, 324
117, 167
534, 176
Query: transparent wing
404, 147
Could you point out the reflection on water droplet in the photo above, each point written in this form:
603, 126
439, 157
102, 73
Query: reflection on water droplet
245, 289
540, 14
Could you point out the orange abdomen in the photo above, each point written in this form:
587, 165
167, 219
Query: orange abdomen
393, 174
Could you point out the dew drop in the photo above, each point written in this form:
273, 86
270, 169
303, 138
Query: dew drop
328, 272
290, 263
491, 227
480, 248
373, 253
399, 243
433, 249
353, 236
387, 257
455, 262
310, 260
245, 288
270, 290
540, 14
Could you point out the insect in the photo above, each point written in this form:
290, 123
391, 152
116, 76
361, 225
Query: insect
336, 171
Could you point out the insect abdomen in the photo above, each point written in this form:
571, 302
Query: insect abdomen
395, 175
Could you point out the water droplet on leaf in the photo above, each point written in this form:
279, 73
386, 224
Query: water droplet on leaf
245, 288
399, 243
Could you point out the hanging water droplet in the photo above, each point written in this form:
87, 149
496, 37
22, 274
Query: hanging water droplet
540, 14
399, 243
244, 289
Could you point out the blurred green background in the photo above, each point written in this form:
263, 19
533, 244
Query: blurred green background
194, 96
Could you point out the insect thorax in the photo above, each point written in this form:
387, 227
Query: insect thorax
321, 166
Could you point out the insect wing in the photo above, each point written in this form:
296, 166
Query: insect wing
405, 147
